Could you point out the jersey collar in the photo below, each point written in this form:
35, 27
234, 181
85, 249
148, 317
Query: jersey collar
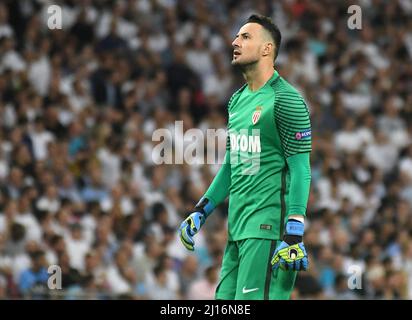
270, 82
274, 77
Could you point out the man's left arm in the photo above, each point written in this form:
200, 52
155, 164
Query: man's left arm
300, 177
293, 123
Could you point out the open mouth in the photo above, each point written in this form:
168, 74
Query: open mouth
236, 53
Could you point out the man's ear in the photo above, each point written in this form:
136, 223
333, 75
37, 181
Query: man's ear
268, 47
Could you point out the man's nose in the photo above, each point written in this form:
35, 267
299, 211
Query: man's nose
235, 43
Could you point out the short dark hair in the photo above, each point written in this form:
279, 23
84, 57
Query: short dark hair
269, 26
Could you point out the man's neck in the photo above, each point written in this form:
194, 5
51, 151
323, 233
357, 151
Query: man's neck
256, 76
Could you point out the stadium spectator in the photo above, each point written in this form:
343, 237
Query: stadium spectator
204, 289
34, 278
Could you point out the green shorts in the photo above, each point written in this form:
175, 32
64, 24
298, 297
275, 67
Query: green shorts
247, 273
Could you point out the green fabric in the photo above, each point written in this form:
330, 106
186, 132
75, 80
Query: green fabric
220, 186
300, 177
292, 120
265, 128
246, 272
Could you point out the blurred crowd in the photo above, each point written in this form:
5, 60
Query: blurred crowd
78, 185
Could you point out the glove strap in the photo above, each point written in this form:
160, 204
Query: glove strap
294, 232
295, 228
206, 206
291, 240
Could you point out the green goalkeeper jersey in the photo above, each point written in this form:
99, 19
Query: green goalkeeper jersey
265, 127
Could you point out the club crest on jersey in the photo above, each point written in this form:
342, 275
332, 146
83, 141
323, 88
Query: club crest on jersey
256, 115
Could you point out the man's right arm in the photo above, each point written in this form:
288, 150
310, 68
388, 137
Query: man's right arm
220, 186
215, 195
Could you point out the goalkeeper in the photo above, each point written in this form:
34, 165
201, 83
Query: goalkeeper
266, 174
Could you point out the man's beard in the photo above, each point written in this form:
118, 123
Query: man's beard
245, 66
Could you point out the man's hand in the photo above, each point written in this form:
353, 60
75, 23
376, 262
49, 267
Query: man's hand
291, 253
192, 224
189, 227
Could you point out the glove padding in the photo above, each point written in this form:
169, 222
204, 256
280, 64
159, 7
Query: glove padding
290, 257
291, 253
189, 227
192, 224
